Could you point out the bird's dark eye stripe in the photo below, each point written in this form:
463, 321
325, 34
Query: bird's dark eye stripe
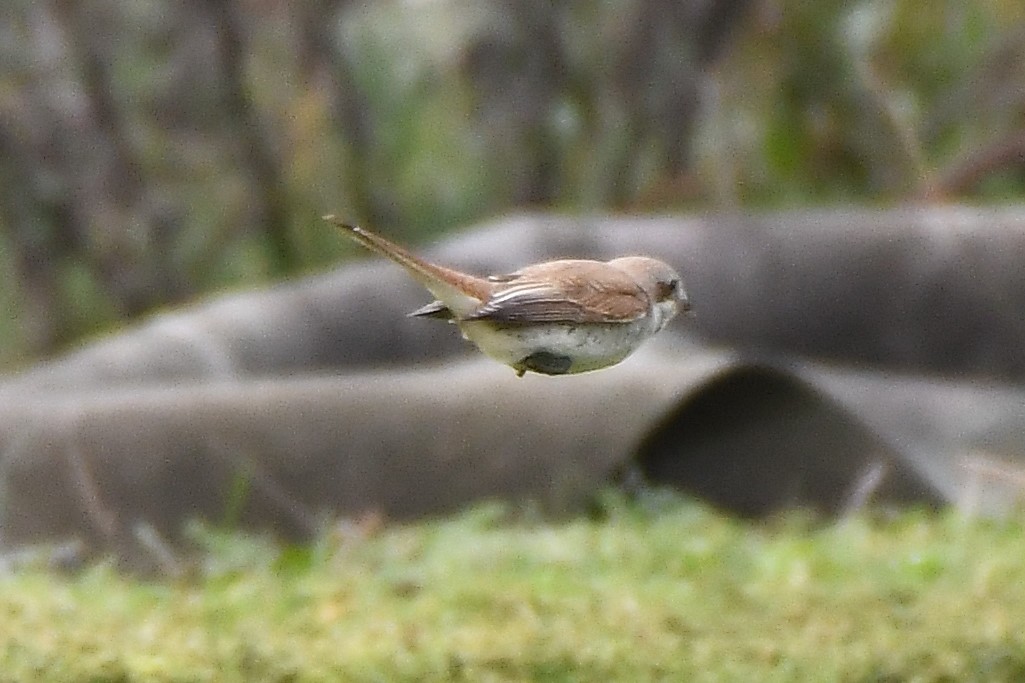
668, 289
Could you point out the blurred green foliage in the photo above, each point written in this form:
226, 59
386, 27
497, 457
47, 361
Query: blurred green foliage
870, 101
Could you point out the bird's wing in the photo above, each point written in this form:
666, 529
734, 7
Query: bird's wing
564, 292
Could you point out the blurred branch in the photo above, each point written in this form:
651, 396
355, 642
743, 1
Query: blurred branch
966, 173
260, 161
898, 120
668, 44
32, 245
636, 104
87, 53
518, 70
716, 23
120, 215
322, 63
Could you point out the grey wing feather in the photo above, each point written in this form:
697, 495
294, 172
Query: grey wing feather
536, 311
533, 303
435, 309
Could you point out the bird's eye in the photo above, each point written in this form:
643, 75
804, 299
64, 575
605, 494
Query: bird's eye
668, 289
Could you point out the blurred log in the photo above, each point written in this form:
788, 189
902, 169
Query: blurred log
934, 289
280, 454
402, 444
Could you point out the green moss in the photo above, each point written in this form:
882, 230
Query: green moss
680, 593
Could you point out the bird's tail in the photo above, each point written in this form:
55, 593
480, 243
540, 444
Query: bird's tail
460, 292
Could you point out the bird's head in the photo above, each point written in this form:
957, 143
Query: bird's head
660, 282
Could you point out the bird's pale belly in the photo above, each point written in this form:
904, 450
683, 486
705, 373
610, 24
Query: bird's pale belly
556, 349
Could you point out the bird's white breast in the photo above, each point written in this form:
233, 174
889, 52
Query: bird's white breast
590, 346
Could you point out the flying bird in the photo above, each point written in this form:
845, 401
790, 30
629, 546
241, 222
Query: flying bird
553, 318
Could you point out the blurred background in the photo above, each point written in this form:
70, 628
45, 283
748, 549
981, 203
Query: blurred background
151, 151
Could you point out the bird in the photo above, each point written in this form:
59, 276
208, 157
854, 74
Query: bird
560, 317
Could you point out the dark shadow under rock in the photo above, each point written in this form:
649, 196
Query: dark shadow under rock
755, 440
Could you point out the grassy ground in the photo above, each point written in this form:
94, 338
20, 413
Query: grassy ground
670, 591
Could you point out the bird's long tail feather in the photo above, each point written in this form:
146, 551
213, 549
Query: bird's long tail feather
460, 292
